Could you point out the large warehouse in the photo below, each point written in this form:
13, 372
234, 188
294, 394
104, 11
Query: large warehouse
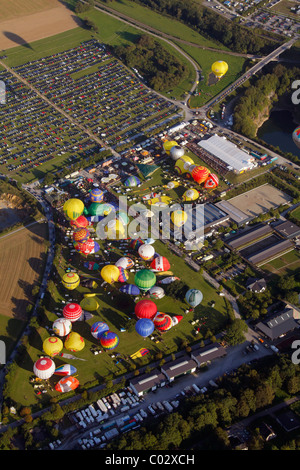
236, 160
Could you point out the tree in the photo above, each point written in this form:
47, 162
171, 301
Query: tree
235, 332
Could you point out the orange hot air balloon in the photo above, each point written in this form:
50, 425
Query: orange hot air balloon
200, 174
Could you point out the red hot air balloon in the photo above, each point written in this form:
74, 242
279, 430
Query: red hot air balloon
162, 321
211, 182
72, 312
200, 174
160, 263
145, 309
80, 222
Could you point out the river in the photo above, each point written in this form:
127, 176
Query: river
277, 131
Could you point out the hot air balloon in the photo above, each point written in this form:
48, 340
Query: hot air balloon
98, 329
96, 195
219, 68
179, 218
182, 164
70, 281
144, 327
194, 297
162, 321
130, 289
190, 195
168, 144
52, 346
176, 319
200, 174
144, 279
100, 209
168, 280
146, 251
80, 222
124, 276
160, 201
114, 230
110, 273
296, 136
132, 181
125, 263
156, 292
74, 342
176, 152
44, 368
109, 340
172, 185
135, 244
123, 217
89, 304
145, 309
67, 384
211, 182
62, 326
160, 263
87, 247
81, 235
72, 312
73, 208
65, 370
91, 265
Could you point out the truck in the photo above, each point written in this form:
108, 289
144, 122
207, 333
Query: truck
102, 406
168, 406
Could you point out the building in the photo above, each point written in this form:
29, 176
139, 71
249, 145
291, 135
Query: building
280, 324
287, 229
235, 214
248, 237
146, 383
208, 353
256, 285
236, 159
270, 253
288, 420
179, 367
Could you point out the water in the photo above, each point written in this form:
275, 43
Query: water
277, 131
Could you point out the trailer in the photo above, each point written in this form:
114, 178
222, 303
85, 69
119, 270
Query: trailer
168, 406
111, 433
195, 388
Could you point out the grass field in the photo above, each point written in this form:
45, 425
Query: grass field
114, 310
296, 213
286, 264
18, 8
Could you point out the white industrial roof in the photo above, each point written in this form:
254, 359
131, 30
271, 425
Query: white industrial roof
228, 152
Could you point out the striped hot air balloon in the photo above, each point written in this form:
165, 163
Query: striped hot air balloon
160, 263
72, 312
62, 326
67, 384
65, 370
162, 321
44, 368
124, 276
98, 328
109, 340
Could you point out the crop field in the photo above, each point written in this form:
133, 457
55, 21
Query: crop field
43, 19
288, 263
260, 200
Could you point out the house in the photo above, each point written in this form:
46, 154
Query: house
288, 420
280, 324
183, 365
256, 285
208, 353
288, 229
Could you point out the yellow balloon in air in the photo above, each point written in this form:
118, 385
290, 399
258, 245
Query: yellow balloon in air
219, 68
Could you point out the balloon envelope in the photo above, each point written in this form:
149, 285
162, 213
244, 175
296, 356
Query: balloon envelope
146, 251
67, 384
130, 289
179, 218
80, 222
144, 327
81, 235
219, 68
96, 195
296, 136
123, 277
62, 326
52, 346
109, 340
162, 321
110, 273
145, 309
89, 304
194, 297
190, 195
44, 368
200, 174
144, 279
74, 342
73, 208
125, 263
132, 181
70, 281
176, 152
72, 312
160, 263
156, 292
98, 329
168, 144
65, 370
182, 164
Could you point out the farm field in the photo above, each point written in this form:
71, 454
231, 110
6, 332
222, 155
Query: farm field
288, 263
43, 19
296, 213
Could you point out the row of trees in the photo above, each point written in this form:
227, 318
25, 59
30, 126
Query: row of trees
200, 422
160, 69
212, 25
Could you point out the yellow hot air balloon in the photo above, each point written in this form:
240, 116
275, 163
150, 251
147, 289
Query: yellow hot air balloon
163, 200
52, 346
89, 304
168, 144
114, 230
71, 281
219, 68
179, 218
73, 208
190, 195
110, 273
74, 342
182, 164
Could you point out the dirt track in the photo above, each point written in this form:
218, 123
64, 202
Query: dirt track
26, 29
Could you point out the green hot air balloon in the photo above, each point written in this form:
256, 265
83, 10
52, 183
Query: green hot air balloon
145, 279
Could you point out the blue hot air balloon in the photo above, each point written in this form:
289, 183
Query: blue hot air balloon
98, 328
65, 370
193, 297
132, 181
144, 327
130, 289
